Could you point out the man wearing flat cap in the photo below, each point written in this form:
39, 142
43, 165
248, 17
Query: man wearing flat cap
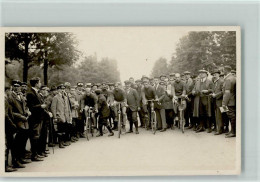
189, 109
36, 107
141, 112
81, 116
229, 99
133, 103
58, 108
202, 101
158, 107
20, 117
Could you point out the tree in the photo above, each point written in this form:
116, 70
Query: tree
53, 49
17, 47
160, 67
206, 50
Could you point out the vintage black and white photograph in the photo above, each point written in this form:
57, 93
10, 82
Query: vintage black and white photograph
121, 101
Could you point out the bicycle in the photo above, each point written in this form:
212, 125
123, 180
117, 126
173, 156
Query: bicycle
180, 109
89, 123
119, 119
153, 116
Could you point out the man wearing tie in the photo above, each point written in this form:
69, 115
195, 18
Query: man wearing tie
201, 91
36, 107
159, 109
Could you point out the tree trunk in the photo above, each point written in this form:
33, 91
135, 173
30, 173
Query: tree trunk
45, 72
25, 60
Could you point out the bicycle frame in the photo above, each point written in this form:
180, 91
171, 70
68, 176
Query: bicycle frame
180, 109
153, 116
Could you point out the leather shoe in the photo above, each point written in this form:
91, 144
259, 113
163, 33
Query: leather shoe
111, 134
217, 133
46, 152
209, 130
10, 169
191, 126
61, 146
36, 159
227, 133
43, 154
17, 164
231, 135
201, 129
24, 161
130, 131
164, 129
99, 135
40, 156
136, 132
51, 145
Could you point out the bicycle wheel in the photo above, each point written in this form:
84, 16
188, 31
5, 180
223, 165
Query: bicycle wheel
153, 119
119, 125
87, 127
182, 121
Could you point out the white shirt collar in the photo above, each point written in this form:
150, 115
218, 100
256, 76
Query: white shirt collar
36, 90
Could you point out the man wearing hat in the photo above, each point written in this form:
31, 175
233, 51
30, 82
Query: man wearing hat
189, 109
20, 118
233, 72
36, 107
202, 101
163, 77
59, 117
217, 96
229, 99
81, 116
159, 109
43, 92
48, 101
133, 103
88, 85
10, 131
141, 111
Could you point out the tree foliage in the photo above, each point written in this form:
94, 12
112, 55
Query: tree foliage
43, 49
208, 50
160, 67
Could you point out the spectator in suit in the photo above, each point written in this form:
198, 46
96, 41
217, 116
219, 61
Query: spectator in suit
167, 104
10, 131
158, 106
229, 99
36, 106
133, 103
217, 96
58, 109
189, 109
203, 87
20, 114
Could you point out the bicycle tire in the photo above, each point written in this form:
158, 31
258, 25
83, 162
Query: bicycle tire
154, 123
87, 123
119, 125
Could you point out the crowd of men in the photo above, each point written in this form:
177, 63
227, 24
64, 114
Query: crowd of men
57, 115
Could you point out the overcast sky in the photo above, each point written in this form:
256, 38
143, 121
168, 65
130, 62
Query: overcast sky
135, 48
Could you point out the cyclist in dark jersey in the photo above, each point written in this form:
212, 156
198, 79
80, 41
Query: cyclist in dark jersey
118, 96
89, 100
148, 93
